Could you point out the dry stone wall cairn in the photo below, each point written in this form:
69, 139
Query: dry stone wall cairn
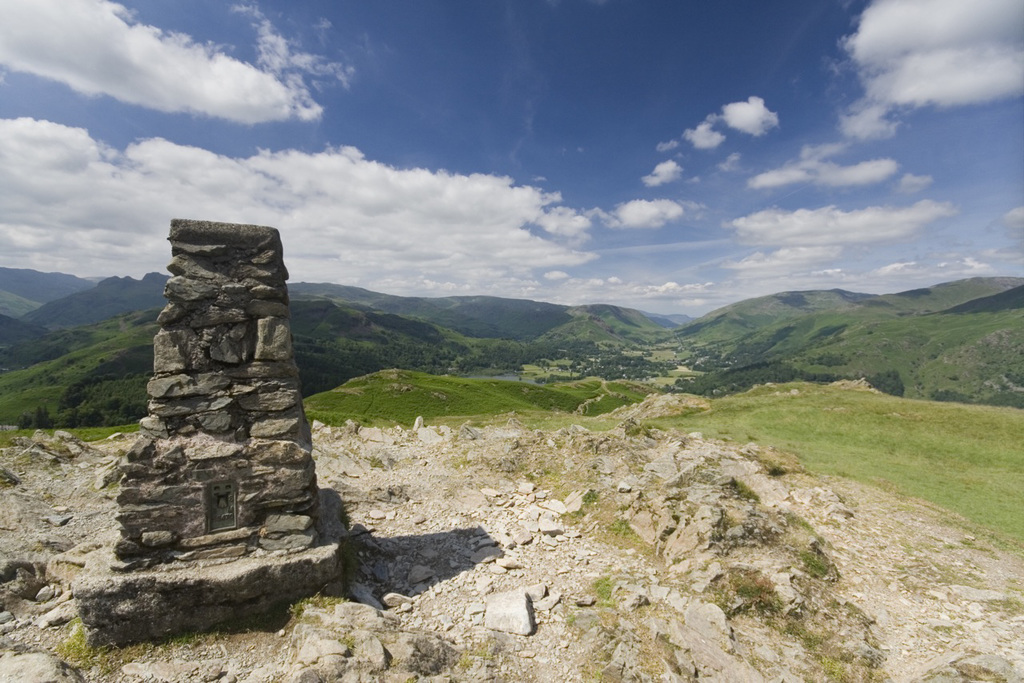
224, 464
219, 512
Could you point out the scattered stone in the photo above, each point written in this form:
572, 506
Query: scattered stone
419, 573
574, 501
508, 563
58, 616
362, 593
523, 537
537, 591
549, 602
59, 520
510, 612
396, 599
549, 525
22, 667
46, 593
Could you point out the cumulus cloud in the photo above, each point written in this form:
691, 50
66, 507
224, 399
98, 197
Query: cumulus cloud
667, 146
812, 167
751, 117
665, 172
704, 136
910, 183
71, 203
915, 53
644, 213
97, 48
832, 226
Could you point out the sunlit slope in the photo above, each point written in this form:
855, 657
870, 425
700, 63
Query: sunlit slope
399, 396
968, 459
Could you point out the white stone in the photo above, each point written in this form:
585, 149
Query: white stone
510, 612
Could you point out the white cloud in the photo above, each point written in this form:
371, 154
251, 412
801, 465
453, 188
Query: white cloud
1014, 219
665, 172
555, 275
731, 163
914, 53
910, 183
563, 221
704, 136
867, 121
667, 146
97, 48
832, 226
644, 213
668, 296
785, 261
812, 167
72, 204
751, 117
278, 56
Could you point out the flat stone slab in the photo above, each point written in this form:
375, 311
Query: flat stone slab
122, 607
118, 608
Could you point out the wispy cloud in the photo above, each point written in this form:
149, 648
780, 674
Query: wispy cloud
832, 226
910, 183
812, 167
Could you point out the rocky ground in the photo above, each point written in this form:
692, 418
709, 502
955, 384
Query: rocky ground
504, 553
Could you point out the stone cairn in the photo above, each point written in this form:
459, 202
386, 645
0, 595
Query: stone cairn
222, 469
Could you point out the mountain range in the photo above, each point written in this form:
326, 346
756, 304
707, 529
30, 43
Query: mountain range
960, 341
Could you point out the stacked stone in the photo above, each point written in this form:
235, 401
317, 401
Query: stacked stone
224, 464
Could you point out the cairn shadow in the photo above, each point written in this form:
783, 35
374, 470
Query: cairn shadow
410, 564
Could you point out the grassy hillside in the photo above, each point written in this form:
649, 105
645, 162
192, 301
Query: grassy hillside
967, 459
14, 331
960, 341
400, 396
495, 317
970, 357
113, 296
474, 316
602, 323
101, 368
731, 325
732, 322
22, 290
16, 306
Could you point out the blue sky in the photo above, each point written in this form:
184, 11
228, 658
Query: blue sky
673, 156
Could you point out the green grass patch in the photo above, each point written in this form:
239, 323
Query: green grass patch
400, 396
603, 588
964, 458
